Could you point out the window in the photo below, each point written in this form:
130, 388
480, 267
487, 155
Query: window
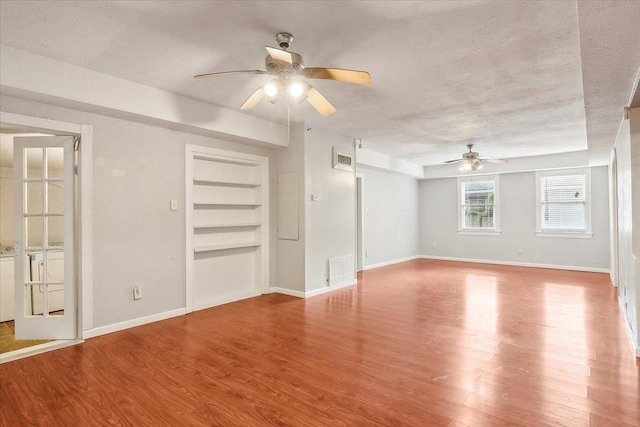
563, 203
478, 205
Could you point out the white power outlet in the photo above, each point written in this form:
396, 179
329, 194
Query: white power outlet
366, 254
137, 292
519, 251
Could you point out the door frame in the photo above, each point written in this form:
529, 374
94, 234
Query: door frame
359, 222
613, 215
17, 123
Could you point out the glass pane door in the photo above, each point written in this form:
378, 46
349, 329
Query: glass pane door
45, 279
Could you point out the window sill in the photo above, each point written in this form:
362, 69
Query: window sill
565, 234
467, 232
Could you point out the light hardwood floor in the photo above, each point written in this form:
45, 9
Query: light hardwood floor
420, 343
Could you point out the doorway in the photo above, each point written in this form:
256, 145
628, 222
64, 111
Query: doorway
45, 244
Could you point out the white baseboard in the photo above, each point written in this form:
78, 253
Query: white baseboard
37, 349
212, 302
395, 261
102, 330
313, 293
326, 289
519, 264
285, 291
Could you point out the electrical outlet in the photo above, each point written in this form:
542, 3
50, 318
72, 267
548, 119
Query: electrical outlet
366, 254
433, 245
137, 292
519, 251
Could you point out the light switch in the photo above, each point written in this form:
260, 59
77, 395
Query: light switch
173, 205
315, 197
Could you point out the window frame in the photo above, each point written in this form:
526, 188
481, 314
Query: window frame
473, 231
579, 234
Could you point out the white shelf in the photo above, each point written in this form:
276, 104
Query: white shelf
222, 205
251, 224
224, 183
226, 246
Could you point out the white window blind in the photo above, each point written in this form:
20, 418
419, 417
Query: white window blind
563, 202
478, 205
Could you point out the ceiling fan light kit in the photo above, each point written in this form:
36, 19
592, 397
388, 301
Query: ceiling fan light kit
472, 161
289, 71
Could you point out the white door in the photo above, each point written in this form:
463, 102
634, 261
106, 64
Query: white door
45, 288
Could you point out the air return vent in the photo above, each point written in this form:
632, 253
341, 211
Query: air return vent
342, 160
341, 270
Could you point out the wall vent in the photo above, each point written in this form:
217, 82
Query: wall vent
342, 160
341, 270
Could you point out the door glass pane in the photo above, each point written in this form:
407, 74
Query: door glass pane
34, 300
55, 266
35, 198
55, 231
55, 197
34, 162
55, 162
56, 300
34, 231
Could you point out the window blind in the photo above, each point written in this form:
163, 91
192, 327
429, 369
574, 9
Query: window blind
563, 202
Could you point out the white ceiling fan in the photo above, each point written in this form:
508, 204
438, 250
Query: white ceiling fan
289, 77
471, 160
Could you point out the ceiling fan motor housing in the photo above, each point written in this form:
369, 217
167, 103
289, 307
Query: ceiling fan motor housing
274, 66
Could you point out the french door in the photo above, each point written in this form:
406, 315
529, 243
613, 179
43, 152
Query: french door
45, 282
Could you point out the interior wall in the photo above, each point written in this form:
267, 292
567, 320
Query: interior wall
331, 220
290, 254
439, 225
137, 239
390, 216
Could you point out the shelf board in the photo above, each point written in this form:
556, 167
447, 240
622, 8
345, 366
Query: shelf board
209, 248
225, 204
249, 224
224, 183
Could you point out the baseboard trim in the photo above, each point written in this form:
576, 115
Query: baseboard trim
313, 293
324, 290
103, 330
37, 349
519, 264
395, 261
285, 291
214, 302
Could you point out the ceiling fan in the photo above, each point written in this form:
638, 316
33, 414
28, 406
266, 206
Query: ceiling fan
472, 161
289, 72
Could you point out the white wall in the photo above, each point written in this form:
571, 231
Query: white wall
439, 224
390, 216
137, 169
290, 258
331, 220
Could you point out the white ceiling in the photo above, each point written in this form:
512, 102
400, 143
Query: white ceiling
515, 78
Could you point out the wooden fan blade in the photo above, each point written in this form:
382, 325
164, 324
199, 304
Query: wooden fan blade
319, 102
279, 55
349, 76
253, 100
226, 73
456, 161
492, 160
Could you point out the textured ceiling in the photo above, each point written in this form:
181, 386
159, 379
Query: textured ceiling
507, 76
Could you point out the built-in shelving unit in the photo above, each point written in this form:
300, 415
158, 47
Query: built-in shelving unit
227, 214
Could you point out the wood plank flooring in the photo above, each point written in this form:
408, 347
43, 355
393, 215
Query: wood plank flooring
423, 343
